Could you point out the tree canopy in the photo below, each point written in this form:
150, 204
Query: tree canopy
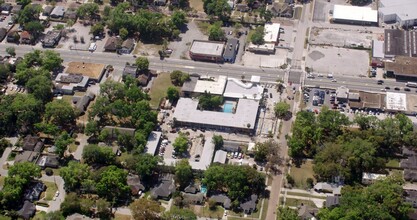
172, 93
181, 144
219, 8
74, 174
207, 101
281, 109
145, 209
183, 173
215, 32
258, 36
60, 113
94, 154
178, 78
142, 63
112, 184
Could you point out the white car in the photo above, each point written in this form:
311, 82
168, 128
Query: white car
93, 47
57, 194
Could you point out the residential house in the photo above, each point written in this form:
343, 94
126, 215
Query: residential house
112, 44
51, 38
133, 181
249, 205
165, 187
281, 9
83, 102
242, 7
194, 199
324, 187
71, 14
32, 143
47, 10
3, 33
27, 211
127, 46
26, 38
222, 200
369, 178
220, 157
12, 37
34, 191
48, 161
332, 201
193, 189
160, 2
130, 70
307, 213
411, 197
77, 216
26, 156
144, 79
58, 12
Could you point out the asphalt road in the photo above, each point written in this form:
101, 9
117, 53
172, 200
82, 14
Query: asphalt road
202, 68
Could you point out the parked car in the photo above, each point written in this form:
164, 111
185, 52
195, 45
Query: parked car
380, 82
396, 88
407, 89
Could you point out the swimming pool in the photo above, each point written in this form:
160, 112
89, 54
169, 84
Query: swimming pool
203, 189
228, 107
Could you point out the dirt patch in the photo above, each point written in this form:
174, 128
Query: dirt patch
92, 70
147, 49
197, 5
316, 55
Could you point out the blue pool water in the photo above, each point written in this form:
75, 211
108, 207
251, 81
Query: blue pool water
228, 107
203, 189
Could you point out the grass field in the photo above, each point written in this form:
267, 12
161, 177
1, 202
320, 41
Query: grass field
39, 215
51, 188
300, 174
203, 26
72, 148
159, 88
122, 217
264, 209
393, 163
2, 180
207, 212
298, 202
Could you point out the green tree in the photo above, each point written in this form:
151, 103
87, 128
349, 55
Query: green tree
281, 109
145, 165
142, 63
91, 128
210, 102
112, 184
87, 10
285, 213
258, 36
268, 151
51, 60
74, 174
181, 144
366, 122
23, 3
218, 8
4, 143
94, 154
103, 209
40, 87
178, 78
217, 141
183, 173
35, 28
11, 51
62, 142
55, 215
178, 18
60, 113
172, 93
145, 209
123, 33
71, 204
29, 13
216, 32
25, 171
179, 213
331, 122
4, 72
27, 110
97, 29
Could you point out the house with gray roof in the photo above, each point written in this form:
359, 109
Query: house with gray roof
165, 188
222, 200
230, 50
130, 70
193, 189
127, 46
195, 199
83, 103
133, 181
307, 213
58, 12
27, 211
32, 143
48, 161
249, 205
332, 201
26, 156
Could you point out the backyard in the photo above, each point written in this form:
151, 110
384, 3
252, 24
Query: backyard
159, 89
300, 174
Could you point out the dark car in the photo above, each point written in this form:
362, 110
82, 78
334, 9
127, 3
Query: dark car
316, 92
380, 82
270, 95
387, 87
407, 89
396, 88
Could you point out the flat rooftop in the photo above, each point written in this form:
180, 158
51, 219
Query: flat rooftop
369, 100
212, 48
92, 70
153, 142
396, 101
355, 13
400, 43
404, 9
404, 66
212, 85
271, 32
246, 113
206, 156
237, 89
378, 49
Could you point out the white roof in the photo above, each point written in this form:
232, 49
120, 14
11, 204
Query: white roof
237, 89
206, 156
214, 87
207, 47
396, 101
246, 113
404, 9
153, 142
220, 157
271, 32
255, 79
378, 49
373, 176
251, 146
355, 13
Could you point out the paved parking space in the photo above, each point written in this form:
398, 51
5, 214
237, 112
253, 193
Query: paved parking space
190, 33
6, 21
315, 98
265, 60
339, 61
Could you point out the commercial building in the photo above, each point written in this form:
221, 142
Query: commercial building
69, 83
199, 85
154, 139
264, 48
402, 68
400, 43
354, 15
367, 101
231, 49
207, 51
402, 11
242, 120
396, 102
51, 38
272, 33
237, 89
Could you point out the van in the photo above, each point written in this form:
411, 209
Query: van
235, 155
93, 47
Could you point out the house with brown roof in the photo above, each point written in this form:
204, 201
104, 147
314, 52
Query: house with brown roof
127, 46
112, 44
133, 181
26, 38
32, 143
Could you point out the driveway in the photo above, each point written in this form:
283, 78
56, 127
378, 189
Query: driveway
3, 160
82, 138
56, 205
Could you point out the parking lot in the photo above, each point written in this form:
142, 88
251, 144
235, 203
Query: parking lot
341, 37
180, 48
339, 61
315, 98
6, 21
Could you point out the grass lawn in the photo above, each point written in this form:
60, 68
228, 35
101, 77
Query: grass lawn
305, 195
51, 189
39, 215
393, 163
207, 212
248, 38
203, 26
122, 217
159, 88
2, 180
264, 209
72, 148
297, 202
300, 174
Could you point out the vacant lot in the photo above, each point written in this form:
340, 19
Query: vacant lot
145, 49
341, 37
265, 60
197, 5
339, 61
300, 174
159, 88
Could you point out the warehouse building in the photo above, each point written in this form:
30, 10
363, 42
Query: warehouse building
402, 68
400, 43
207, 51
355, 15
402, 11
